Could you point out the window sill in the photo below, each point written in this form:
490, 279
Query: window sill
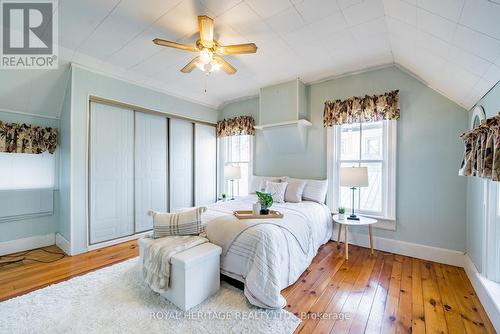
383, 223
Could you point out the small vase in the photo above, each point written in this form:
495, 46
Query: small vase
256, 208
341, 216
264, 211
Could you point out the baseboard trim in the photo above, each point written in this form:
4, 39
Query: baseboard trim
424, 252
488, 292
117, 241
24, 244
63, 243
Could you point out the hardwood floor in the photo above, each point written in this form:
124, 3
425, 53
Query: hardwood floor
380, 293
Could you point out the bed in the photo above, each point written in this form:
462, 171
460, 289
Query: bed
267, 255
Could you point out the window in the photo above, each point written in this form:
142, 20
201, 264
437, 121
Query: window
236, 151
27, 171
26, 185
371, 145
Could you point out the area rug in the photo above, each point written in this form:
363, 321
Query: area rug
115, 300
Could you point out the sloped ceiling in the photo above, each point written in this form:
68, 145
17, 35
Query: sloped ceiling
452, 45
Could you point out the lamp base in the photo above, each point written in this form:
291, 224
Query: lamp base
353, 217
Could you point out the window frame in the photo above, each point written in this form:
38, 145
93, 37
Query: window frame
387, 219
222, 145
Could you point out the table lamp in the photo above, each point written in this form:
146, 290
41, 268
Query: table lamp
232, 173
353, 177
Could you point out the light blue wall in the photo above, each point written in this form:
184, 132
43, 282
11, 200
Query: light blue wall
87, 83
431, 196
37, 226
476, 219
248, 107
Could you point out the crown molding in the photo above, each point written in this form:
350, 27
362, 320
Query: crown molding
238, 99
28, 114
131, 79
350, 73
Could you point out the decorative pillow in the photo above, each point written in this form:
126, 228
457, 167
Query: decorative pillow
277, 190
258, 183
187, 222
294, 191
315, 190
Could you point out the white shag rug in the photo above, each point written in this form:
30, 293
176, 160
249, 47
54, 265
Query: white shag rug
115, 300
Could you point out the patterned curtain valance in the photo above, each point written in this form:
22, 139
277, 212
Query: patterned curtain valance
237, 126
23, 138
362, 109
482, 150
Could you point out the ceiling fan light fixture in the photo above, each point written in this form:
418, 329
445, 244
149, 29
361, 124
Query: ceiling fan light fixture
206, 56
208, 68
209, 50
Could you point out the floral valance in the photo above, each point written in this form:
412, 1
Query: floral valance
237, 126
23, 138
370, 108
482, 150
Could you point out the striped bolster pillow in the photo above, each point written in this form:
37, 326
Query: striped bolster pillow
186, 222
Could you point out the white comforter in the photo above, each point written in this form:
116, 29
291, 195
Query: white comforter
269, 257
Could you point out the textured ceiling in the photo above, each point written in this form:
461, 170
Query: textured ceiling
452, 45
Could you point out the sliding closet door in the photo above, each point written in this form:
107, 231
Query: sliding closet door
205, 175
111, 173
150, 168
181, 164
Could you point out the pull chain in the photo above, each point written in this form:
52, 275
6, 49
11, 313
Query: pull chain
206, 82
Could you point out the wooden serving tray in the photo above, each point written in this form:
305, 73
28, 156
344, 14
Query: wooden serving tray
248, 214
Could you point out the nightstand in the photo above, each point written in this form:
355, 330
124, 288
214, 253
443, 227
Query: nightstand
347, 222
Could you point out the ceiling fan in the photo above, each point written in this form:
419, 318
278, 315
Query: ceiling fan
209, 49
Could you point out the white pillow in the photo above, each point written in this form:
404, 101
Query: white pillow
315, 190
277, 190
258, 183
294, 191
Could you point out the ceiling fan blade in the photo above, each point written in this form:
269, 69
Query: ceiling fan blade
226, 67
238, 49
191, 65
170, 44
206, 27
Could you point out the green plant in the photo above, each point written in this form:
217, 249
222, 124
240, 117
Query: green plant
223, 195
341, 210
265, 199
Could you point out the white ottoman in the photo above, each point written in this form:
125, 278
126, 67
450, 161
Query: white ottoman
194, 275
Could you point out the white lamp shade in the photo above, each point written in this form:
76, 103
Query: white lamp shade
354, 176
232, 172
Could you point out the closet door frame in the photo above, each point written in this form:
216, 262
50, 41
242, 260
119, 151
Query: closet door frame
134, 108
216, 185
170, 163
89, 178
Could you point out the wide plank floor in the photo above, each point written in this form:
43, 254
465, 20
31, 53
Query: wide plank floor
380, 293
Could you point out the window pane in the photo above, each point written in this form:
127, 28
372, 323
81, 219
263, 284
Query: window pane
371, 196
26, 171
235, 148
227, 148
349, 141
372, 141
243, 182
244, 148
